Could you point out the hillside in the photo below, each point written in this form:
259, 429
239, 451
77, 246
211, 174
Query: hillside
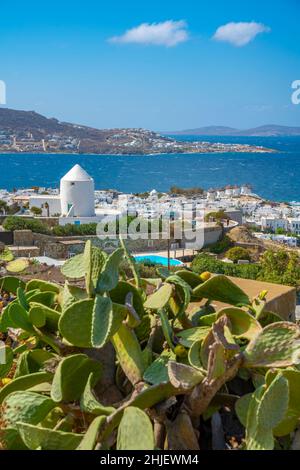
28, 131
29, 124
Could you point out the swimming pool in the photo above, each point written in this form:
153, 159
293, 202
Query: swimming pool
157, 260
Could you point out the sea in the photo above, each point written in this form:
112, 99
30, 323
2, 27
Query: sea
274, 176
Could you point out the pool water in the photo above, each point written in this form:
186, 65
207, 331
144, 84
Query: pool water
157, 260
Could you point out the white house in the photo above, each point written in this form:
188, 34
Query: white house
229, 191
273, 223
236, 191
294, 226
220, 193
210, 195
246, 189
49, 203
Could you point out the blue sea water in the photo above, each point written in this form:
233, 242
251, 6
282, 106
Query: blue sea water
273, 176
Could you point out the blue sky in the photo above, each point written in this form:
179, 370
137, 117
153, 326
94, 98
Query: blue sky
74, 60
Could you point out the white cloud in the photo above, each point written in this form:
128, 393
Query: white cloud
168, 33
240, 34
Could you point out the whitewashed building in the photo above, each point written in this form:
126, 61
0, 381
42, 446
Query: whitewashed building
77, 193
294, 226
76, 202
273, 223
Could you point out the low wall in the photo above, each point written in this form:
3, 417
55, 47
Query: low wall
60, 247
23, 238
25, 251
6, 237
280, 299
57, 247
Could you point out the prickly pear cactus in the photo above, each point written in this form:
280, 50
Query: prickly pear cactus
129, 353
6, 360
71, 376
266, 410
6, 255
91, 322
160, 298
277, 345
292, 415
101, 361
36, 437
183, 376
18, 265
10, 284
89, 440
135, 431
43, 286
220, 288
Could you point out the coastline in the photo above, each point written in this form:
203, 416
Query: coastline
265, 151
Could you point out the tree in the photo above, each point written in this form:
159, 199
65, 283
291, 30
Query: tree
237, 253
280, 267
36, 210
12, 223
216, 216
3, 206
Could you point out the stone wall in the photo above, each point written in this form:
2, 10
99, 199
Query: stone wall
25, 251
23, 238
55, 248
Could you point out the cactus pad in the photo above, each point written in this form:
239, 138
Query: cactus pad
18, 265
135, 431
277, 345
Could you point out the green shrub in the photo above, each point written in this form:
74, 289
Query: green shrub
36, 210
280, 267
145, 270
237, 253
71, 229
202, 263
220, 246
12, 223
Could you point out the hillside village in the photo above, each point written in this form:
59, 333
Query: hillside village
268, 221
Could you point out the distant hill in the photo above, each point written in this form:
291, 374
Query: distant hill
209, 130
26, 125
28, 131
269, 130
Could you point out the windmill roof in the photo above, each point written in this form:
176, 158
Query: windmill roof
77, 173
